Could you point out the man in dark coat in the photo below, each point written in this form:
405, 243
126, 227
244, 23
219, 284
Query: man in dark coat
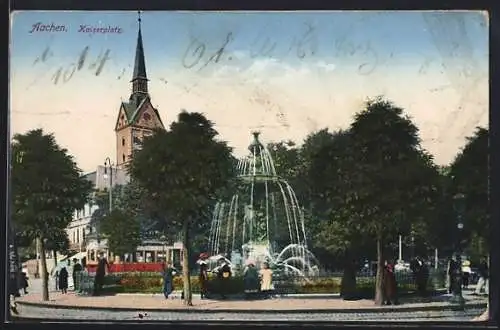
168, 274
421, 275
102, 267
77, 269
348, 284
24, 282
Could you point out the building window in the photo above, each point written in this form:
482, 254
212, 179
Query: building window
83, 235
123, 141
74, 237
78, 235
123, 157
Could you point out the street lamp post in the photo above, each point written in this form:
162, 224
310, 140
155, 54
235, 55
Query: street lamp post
412, 245
107, 163
458, 203
14, 260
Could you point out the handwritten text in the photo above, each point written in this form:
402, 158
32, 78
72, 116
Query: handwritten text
64, 73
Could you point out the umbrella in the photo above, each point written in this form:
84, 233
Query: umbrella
203, 255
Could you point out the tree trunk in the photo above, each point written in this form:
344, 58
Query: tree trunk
188, 301
379, 293
54, 253
44, 273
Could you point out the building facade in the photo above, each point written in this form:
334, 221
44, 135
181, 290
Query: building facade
80, 229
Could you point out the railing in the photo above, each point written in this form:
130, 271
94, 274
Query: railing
326, 283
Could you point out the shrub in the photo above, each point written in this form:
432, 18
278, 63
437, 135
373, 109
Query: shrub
152, 282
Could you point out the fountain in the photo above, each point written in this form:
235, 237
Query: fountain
263, 221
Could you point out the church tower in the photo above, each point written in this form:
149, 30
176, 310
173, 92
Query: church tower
137, 118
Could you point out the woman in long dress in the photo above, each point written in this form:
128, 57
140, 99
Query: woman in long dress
63, 280
390, 285
266, 280
251, 279
203, 278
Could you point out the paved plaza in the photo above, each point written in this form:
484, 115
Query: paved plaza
156, 308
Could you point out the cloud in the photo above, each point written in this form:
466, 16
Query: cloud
328, 67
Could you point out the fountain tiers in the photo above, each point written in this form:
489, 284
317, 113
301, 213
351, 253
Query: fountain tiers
249, 224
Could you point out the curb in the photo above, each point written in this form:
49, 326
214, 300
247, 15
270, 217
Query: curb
389, 309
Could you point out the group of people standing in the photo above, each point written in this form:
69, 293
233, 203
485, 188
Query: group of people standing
420, 272
459, 275
65, 273
255, 280
223, 272
258, 281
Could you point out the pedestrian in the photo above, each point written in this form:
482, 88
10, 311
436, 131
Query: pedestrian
390, 284
13, 292
24, 282
422, 276
63, 280
348, 283
483, 282
203, 277
102, 268
56, 278
251, 279
266, 280
449, 274
77, 273
223, 277
466, 274
71, 279
168, 274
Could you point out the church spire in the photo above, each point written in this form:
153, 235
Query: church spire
139, 78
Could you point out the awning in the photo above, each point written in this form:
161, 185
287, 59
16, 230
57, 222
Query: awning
79, 256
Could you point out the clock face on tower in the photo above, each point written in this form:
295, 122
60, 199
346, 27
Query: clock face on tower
146, 116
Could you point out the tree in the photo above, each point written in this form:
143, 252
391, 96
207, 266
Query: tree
183, 171
469, 175
130, 202
122, 230
390, 182
47, 187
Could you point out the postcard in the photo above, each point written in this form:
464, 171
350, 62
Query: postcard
251, 166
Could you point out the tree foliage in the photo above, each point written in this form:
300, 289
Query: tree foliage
468, 175
122, 231
47, 187
128, 201
183, 171
58, 241
372, 182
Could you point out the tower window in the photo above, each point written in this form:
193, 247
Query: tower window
123, 157
123, 141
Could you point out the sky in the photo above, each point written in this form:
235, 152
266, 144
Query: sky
286, 74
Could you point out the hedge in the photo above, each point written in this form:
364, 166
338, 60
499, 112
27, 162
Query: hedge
153, 283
